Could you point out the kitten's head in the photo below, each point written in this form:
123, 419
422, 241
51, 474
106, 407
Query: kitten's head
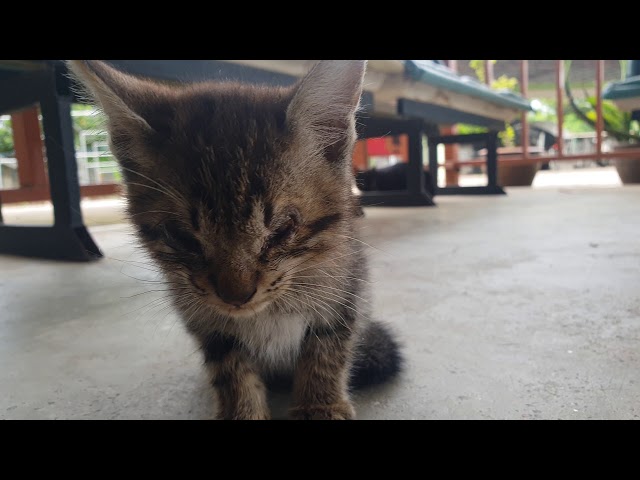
235, 190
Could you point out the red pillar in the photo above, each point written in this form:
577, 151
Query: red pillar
451, 150
29, 148
360, 156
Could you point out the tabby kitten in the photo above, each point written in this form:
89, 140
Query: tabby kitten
242, 195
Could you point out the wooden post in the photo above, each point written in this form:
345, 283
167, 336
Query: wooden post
29, 148
451, 155
599, 117
360, 156
451, 150
488, 72
524, 90
560, 106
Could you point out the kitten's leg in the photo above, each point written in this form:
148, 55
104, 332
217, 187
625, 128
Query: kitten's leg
321, 376
240, 390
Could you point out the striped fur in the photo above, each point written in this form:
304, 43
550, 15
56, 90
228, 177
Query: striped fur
242, 195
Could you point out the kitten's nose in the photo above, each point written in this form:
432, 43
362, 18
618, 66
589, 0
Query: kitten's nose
235, 288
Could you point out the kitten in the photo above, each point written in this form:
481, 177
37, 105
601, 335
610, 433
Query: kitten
242, 195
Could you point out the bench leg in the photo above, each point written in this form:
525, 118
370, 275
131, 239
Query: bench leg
416, 194
492, 162
68, 239
492, 187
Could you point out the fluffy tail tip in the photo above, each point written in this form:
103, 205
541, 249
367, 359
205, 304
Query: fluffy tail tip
378, 357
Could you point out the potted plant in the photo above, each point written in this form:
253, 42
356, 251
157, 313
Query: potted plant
618, 124
628, 168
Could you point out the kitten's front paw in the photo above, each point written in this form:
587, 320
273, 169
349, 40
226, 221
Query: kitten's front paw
245, 416
336, 411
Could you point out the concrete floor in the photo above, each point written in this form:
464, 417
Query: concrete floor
518, 307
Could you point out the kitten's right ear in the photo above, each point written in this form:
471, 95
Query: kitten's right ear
324, 105
121, 96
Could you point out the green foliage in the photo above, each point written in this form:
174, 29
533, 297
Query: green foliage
89, 122
545, 114
6, 139
501, 83
572, 122
615, 119
505, 83
508, 135
616, 123
478, 67
96, 121
466, 129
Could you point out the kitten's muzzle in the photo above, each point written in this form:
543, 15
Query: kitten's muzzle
235, 288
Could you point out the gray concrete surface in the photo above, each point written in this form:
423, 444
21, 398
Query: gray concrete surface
518, 307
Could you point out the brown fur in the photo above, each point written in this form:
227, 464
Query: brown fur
321, 378
241, 392
242, 195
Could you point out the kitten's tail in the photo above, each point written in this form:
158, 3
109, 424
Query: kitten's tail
378, 357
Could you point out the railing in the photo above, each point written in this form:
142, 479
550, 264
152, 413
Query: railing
7, 165
96, 176
91, 171
92, 168
561, 155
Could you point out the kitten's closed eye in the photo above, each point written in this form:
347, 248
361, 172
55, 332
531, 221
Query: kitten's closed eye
285, 230
282, 232
178, 239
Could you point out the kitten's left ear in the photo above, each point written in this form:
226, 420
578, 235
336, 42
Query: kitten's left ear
137, 110
324, 105
126, 100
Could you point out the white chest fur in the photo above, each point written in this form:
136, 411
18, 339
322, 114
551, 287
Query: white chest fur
274, 340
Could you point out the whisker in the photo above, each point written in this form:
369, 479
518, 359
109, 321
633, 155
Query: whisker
140, 265
321, 316
338, 317
351, 307
169, 297
332, 288
164, 192
327, 261
332, 276
175, 194
319, 253
316, 295
157, 291
291, 305
327, 300
364, 243
142, 279
153, 211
